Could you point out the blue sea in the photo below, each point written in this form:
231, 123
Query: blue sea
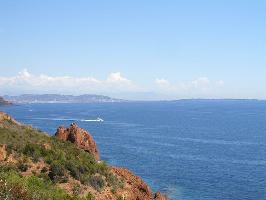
191, 150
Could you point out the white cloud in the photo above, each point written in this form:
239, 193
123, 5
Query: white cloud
220, 83
162, 82
115, 85
200, 87
27, 82
201, 83
165, 86
117, 78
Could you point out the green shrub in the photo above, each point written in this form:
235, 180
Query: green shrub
17, 187
44, 177
63, 157
22, 166
44, 170
85, 180
74, 171
113, 190
34, 151
12, 191
57, 173
120, 198
114, 182
9, 149
97, 182
76, 189
90, 196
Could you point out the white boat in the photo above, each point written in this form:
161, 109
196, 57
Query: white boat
99, 119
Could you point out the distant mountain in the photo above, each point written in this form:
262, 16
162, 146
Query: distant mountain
4, 102
58, 98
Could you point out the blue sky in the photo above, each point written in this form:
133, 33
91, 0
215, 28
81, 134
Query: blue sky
134, 49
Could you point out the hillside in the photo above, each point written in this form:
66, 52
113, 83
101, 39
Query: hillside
58, 98
36, 166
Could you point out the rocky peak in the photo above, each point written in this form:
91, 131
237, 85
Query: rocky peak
79, 137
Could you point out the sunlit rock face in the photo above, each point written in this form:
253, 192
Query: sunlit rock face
79, 137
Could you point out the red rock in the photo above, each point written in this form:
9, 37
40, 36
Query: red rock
139, 190
159, 196
6, 117
79, 137
136, 188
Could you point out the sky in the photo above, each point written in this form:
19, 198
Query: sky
141, 49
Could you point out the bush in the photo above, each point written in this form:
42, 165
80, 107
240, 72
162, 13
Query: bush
76, 189
63, 157
90, 196
85, 180
97, 182
12, 191
34, 151
57, 173
44, 170
22, 166
14, 187
74, 171
114, 182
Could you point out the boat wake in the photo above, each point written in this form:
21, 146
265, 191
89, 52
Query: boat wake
92, 120
70, 119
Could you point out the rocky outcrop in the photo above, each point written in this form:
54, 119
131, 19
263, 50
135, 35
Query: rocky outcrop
79, 137
138, 189
135, 189
6, 117
159, 196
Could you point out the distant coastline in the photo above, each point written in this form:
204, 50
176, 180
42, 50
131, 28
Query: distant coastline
59, 98
94, 98
4, 102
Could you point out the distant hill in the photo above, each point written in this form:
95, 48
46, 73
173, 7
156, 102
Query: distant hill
4, 102
58, 98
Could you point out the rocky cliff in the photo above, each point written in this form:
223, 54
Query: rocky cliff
135, 187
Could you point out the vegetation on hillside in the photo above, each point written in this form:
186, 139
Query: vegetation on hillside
40, 163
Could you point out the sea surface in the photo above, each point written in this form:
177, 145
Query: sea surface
191, 150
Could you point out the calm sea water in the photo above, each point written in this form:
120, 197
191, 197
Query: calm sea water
191, 150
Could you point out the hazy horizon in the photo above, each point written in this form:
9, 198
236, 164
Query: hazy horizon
83, 94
